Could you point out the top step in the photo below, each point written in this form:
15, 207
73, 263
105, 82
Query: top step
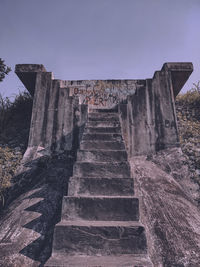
103, 116
114, 110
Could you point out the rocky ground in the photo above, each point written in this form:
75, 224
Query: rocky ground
15, 131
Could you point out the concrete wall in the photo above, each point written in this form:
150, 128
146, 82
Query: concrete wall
146, 108
148, 119
54, 122
101, 94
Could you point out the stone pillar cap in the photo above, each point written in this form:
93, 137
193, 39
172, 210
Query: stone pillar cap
27, 74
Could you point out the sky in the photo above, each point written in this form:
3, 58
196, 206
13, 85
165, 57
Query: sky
99, 39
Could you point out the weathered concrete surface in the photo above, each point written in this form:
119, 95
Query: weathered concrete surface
173, 162
105, 155
101, 94
100, 186
107, 145
104, 208
105, 261
27, 224
28, 73
148, 119
99, 224
102, 169
99, 238
55, 114
178, 73
170, 217
103, 130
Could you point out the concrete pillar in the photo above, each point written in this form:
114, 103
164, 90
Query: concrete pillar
149, 122
52, 122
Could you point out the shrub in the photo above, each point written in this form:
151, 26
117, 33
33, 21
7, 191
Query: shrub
14, 113
190, 97
15, 119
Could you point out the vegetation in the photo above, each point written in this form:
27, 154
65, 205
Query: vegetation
4, 70
188, 115
12, 112
192, 96
14, 130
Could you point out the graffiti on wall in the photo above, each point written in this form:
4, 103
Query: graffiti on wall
103, 93
97, 97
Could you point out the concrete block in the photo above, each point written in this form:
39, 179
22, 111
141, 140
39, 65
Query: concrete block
100, 186
97, 238
59, 259
107, 170
102, 129
104, 208
102, 155
102, 145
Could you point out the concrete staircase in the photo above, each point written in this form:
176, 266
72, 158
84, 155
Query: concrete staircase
100, 215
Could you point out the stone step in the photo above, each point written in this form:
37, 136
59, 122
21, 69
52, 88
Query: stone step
103, 117
100, 208
102, 155
59, 259
102, 137
97, 113
104, 111
102, 130
103, 123
104, 170
99, 238
100, 186
105, 145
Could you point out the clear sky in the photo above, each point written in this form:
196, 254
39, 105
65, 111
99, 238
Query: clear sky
99, 39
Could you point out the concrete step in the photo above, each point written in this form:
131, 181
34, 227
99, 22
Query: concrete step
104, 111
103, 123
100, 208
99, 238
103, 117
100, 186
102, 130
104, 170
102, 137
105, 145
102, 155
59, 259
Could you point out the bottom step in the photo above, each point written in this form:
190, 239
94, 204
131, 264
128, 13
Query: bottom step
58, 260
103, 238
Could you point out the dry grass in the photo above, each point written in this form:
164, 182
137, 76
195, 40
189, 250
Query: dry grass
190, 97
188, 114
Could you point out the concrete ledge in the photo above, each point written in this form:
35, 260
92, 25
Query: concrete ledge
180, 72
180, 66
27, 74
29, 68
